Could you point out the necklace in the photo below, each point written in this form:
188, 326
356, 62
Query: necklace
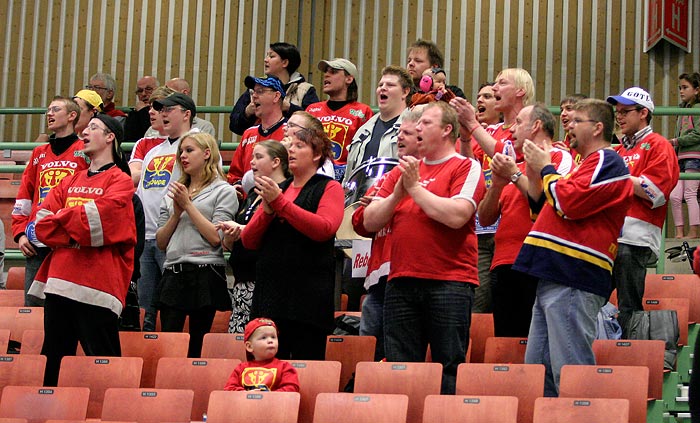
102, 169
194, 191
269, 129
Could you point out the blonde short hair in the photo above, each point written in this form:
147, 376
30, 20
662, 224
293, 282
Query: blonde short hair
522, 80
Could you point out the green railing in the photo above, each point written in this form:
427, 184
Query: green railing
42, 110
227, 146
658, 111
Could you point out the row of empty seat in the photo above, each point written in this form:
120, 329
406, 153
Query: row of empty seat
282, 407
186, 389
21, 324
350, 350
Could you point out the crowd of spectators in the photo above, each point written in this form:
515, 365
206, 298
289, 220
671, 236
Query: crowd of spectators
480, 208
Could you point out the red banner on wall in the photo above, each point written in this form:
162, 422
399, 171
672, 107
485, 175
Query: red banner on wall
668, 20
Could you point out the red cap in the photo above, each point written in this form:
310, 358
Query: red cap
256, 323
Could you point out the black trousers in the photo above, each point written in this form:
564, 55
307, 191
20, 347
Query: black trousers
300, 341
173, 320
67, 322
513, 295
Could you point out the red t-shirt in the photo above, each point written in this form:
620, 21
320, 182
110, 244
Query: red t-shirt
424, 248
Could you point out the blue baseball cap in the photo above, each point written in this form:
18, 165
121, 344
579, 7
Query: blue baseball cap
269, 82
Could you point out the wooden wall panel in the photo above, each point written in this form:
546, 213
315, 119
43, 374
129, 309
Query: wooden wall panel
52, 47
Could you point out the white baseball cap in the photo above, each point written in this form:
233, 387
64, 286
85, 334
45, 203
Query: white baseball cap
633, 96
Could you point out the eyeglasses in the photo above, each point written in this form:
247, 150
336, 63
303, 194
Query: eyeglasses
95, 127
168, 109
623, 112
54, 109
294, 125
96, 88
147, 90
260, 91
576, 121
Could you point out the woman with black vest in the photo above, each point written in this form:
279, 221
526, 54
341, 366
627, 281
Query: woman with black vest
294, 232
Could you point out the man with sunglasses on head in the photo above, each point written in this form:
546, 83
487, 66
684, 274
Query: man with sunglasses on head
138, 120
49, 164
181, 85
654, 170
267, 95
90, 105
158, 170
105, 85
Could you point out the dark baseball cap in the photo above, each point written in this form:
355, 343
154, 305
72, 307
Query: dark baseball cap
176, 99
113, 125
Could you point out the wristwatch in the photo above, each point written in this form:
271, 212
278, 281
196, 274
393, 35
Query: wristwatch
514, 177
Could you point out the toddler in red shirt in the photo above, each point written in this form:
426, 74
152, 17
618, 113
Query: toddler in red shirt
263, 371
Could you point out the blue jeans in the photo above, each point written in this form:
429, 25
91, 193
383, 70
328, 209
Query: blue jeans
562, 330
152, 260
418, 312
31, 269
372, 322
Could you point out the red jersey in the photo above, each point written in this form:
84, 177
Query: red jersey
89, 223
240, 163
319, 226
653, 161
515, 213
424, 248
44, 171
340, 125
574, 239
111, 110
273, 375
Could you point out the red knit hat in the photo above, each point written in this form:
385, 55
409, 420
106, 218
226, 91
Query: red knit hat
256, 323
